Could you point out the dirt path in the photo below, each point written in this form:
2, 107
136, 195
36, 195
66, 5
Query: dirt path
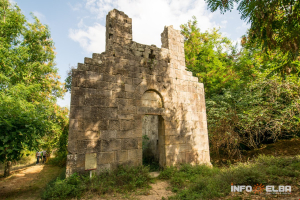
28, 182
158, 190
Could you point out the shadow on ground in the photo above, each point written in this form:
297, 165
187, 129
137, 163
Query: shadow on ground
28, 182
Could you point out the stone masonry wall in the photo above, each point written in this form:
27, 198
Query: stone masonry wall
110, 96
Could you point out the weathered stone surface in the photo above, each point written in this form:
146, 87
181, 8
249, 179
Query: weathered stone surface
110, 145
121, 156
129, 143
113, 91
106, 157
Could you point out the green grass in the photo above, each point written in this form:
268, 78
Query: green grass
188, 182
59, 160
203, 182
123, 179
152, 164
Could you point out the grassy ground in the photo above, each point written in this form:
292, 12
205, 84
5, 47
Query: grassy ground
28, 182
281, 166
202, 182
25, 161
280, 148
122, 180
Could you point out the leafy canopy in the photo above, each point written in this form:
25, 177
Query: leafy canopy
275, 25
29, 84
209, 56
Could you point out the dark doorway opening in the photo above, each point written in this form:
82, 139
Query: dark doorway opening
153, 142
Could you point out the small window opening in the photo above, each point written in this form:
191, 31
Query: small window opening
151, 55
110, 36
110, 26
125, 20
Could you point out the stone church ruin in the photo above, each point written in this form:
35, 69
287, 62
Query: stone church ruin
133, 93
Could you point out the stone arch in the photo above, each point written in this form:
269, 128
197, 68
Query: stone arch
152, 98
153, 127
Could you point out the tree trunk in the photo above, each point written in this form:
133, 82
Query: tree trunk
7, 168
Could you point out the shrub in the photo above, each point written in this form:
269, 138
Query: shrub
202, 182
264, 111
122, 179
60, 159
65, 188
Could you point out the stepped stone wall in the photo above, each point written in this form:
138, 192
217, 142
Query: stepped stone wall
112, 91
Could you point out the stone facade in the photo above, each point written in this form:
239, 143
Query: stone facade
114, 90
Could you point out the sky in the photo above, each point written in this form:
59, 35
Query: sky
78, 26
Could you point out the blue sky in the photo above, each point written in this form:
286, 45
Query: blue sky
78, 26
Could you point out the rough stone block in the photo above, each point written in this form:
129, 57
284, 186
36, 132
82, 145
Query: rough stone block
124, 116
76, 124
150, 110
102, 168
88, 146
108, 134
192, 157
135, 154
88, 135
113, 125
106, 158
175, 139
76, 112
129, 143
129, 88
80, 161
121, 156
110, 145
127, 125
107, 113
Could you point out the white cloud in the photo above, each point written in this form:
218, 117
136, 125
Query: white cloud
226, 34
235, 5
243, 27
224, 22
91, 39
149, 19
238, 42
81, 24
76, 6
38, 15
12, 2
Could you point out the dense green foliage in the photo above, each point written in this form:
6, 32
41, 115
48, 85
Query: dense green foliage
68, 80
274, 26
202, 182
262, 112
29, 85
122, 179
208, 56
248, 101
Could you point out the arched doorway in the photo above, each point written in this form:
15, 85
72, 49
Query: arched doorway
153, 132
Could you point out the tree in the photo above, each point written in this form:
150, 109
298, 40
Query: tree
68, 79
261, 108
29, 84
209, 56
275, 26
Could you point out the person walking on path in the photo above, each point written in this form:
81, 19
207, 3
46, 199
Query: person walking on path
44, 156
38, 155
